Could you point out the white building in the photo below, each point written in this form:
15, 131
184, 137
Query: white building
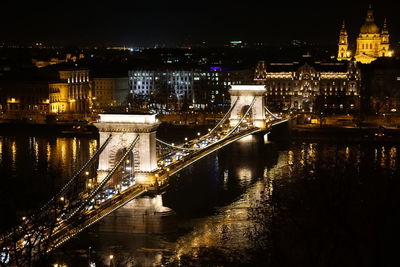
197, 88
146, 83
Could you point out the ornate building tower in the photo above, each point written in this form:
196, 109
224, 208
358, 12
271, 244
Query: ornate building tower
260, 74
384, 49
343, 52
371, 42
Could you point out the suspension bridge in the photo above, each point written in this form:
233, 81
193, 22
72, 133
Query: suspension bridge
130, 162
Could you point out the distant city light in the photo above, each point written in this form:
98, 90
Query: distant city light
215, 68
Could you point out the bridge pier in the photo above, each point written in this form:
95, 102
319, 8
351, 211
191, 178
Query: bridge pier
244, 95
124, 128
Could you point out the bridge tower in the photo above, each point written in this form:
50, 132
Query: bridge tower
124, 128
245, 95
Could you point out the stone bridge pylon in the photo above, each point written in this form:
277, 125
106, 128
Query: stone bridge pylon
242, 97
124, 128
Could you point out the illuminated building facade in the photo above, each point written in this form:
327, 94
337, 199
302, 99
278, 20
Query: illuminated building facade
310, 86
40, 63
108, 92
178, 83
72, 93
372, 43
197, 89
19, 99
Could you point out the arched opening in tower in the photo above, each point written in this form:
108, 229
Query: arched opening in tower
125, 172
249, 115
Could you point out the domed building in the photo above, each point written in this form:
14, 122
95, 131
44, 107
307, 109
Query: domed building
372, 42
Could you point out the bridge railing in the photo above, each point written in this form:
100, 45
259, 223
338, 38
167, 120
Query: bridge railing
89, 218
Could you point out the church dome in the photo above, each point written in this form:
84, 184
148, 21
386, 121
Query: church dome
369, 28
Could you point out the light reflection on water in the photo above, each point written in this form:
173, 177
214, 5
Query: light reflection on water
13, 155
74, 148
36, 152
393, 156
228, 228
1, 150
244, 175
231, 228
39, 165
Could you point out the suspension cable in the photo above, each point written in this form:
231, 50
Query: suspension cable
275, 117
210, 132
173, 146
79, 172
241, 120
105, 180
224, 118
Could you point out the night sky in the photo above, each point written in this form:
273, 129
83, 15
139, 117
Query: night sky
171, 23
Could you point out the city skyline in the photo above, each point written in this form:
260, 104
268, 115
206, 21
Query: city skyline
173, 24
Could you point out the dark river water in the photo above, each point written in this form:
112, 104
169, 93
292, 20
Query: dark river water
282, 203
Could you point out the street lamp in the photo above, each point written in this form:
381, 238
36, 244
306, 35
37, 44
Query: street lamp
118, 188
111, 257
62, 200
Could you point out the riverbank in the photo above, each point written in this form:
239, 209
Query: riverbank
88, 130
348, 133
191, 130
48, 129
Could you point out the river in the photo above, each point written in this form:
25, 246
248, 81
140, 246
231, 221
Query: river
281, 203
